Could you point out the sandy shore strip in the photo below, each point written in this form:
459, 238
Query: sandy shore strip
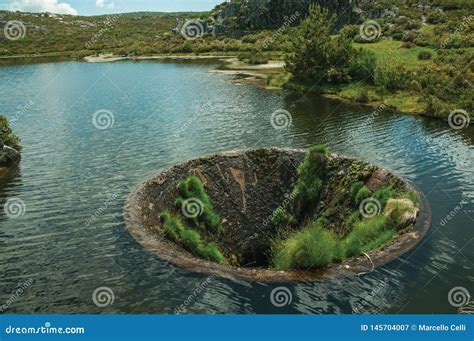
112, 58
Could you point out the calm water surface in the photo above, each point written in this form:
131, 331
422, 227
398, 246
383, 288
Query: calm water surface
166, 113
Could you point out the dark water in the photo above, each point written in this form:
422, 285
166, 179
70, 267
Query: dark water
166, 113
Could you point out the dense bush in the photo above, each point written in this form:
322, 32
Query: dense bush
312, 247
365, 235
316, 54
362, 65
424, 55
389, 77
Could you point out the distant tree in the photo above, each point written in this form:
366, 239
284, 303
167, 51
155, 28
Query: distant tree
316, 54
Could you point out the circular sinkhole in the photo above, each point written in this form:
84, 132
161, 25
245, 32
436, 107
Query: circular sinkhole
256, 215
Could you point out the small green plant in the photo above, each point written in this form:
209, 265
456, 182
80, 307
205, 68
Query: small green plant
323, 221
205, 218
413, 197
281, 218
362, 194
424, 55
6, 134
362, 236
352, 219
309, 184
355, 187
191, 240
362, 96
309, 248
383, 194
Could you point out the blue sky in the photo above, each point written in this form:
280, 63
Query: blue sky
94, 7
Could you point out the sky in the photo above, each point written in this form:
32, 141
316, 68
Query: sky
96, 7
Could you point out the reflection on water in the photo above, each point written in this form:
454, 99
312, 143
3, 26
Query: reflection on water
74, 179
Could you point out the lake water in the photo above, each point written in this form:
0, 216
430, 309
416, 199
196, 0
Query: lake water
164, 113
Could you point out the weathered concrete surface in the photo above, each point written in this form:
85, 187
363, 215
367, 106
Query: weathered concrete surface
245, 188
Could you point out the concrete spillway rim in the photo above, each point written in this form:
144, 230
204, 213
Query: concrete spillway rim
177, 256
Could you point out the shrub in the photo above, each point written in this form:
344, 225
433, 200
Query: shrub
316, 55
352, 219
207, 219
397, 36
362, 65
363, 236
424, 55
383, 194
189, 239
282, 218
362, 194
312, 247
413, 197
362, 96
355, 187
309, 184
6, 134
279, 80
390, 77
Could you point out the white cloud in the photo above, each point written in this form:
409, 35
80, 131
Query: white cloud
51, 6
104, 4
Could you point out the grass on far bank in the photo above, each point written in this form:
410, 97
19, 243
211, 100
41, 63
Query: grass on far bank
392, 51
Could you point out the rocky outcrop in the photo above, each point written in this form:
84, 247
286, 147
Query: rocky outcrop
273, 14
8, 156
403, 211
